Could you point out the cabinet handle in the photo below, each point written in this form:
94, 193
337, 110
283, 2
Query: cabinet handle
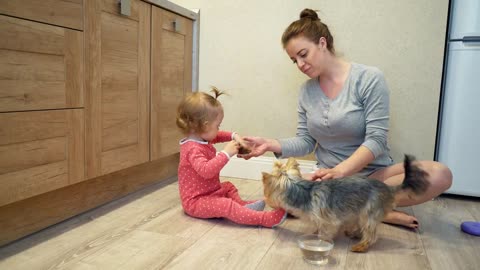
125, 7
176, 25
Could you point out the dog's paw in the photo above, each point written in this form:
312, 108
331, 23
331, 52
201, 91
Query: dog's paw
353, 234
360, 247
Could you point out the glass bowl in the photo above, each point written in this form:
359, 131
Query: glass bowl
315, 248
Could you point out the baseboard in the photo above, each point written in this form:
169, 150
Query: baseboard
253, 168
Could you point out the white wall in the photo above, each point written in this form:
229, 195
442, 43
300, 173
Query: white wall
240, 52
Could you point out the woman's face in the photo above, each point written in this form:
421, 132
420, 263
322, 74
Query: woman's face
308, 56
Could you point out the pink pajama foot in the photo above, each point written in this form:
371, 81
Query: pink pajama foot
274, 218
257, 206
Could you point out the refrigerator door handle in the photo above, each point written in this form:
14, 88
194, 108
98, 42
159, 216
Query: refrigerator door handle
471, 39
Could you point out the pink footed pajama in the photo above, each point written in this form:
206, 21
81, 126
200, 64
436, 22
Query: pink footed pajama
204, 196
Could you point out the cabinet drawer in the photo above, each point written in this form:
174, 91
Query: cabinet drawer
39, 152
41, 66
58, 12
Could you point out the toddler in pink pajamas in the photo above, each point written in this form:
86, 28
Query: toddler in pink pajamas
199, 116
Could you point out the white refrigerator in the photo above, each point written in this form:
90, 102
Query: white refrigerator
458, 137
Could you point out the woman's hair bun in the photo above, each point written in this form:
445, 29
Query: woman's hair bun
310, 14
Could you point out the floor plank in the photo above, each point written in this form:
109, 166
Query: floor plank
64, 244
285, 251
446, 246
229, 245
149, 230
396, 248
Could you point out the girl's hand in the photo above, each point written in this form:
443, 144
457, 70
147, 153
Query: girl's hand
231, 148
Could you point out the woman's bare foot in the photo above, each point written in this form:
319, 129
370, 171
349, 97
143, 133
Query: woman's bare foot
401, 218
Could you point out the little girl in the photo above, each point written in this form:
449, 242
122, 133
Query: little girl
199, 117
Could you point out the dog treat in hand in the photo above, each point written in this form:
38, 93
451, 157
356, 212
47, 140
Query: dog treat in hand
244, 150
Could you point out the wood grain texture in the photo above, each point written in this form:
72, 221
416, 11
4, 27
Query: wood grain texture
113, 7
76, 145
171, 79
41, 66
58, 12
235, 246
39, 152
405, 244
187, 75
27, 216
117, 78
442, 237
74, 66
175, 23
149, 230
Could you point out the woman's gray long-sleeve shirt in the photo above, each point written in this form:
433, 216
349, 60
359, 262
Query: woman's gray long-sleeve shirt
358, 116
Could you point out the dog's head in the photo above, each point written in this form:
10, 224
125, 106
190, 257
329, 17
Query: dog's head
276, 183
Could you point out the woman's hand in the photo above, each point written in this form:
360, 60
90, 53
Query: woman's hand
242, 143
257, 145
327, 174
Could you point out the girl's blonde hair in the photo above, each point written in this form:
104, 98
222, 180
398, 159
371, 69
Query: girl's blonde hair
197, 109
310, 26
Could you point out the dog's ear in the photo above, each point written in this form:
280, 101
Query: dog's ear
266, 178
266, 175
292, 162
277, 164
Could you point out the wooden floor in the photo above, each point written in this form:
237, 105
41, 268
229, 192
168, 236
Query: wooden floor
148, 230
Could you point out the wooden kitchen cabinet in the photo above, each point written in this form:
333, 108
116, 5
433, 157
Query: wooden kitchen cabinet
88, 99
41, 100
117, 86
171, 78
41, 66
40, 151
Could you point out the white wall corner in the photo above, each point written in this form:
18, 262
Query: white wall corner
253, 168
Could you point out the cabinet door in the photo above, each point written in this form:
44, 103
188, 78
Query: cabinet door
41, 66
171, 78
39, 152
117, 85
57, 12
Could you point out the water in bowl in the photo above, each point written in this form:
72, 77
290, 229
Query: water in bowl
315, 250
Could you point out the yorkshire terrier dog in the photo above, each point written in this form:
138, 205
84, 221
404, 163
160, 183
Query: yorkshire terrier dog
353, 204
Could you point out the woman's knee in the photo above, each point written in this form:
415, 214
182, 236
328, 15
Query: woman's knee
440, 176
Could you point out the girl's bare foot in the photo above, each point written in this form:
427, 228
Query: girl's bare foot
401, 218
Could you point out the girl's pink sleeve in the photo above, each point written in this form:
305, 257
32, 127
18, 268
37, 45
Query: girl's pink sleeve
222, 136
206, 168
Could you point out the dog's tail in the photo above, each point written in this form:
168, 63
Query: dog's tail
415, 178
